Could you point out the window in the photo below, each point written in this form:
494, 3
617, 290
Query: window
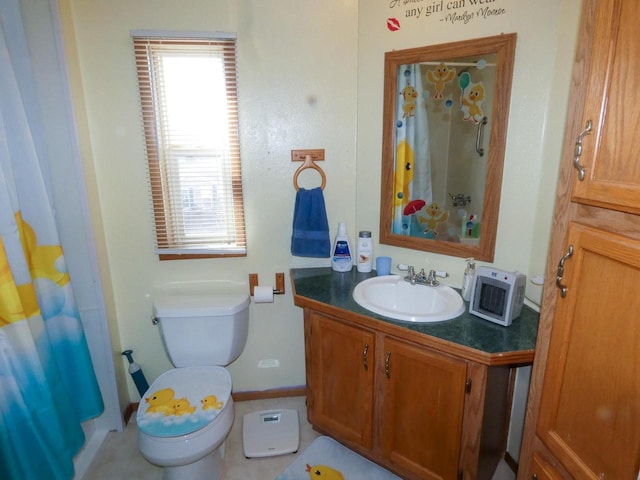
188, 98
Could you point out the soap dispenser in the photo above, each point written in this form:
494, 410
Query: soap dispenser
467, 279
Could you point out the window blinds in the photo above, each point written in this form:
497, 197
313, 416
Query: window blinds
188, 94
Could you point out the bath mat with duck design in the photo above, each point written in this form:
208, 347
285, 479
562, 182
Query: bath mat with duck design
326, 459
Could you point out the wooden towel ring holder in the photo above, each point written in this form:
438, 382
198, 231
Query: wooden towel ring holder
309, 163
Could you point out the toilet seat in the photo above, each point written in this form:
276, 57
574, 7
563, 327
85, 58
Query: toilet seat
184, 400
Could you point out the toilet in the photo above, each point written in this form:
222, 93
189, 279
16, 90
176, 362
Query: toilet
186, 414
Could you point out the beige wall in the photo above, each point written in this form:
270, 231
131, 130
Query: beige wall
310, 76
546, 31
293, 94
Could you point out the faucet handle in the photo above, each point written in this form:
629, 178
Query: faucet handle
407, 268
431, 279
411, 273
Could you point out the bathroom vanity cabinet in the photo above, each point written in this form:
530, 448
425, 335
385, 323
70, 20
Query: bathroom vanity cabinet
583, 418
423, 406
341, 403
386, 396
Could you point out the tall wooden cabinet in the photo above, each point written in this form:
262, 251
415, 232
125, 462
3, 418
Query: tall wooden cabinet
583, 418
612, 108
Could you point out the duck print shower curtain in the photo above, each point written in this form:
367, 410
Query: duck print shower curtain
412, 183
47, 383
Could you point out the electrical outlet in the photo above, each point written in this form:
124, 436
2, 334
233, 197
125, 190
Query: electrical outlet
269, 363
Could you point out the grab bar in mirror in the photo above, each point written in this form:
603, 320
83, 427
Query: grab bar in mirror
480, 135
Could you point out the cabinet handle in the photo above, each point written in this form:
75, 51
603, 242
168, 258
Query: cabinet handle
387, 368
534, 477
364, 356
560, 272
577, 153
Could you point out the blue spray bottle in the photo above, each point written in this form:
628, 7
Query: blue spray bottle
136, 373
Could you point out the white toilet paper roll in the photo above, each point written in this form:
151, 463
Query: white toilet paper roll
263, 294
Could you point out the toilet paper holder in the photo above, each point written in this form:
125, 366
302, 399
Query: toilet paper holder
279, 288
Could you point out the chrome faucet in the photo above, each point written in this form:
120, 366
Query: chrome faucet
460, 199
411, 275
431, 279
422, 278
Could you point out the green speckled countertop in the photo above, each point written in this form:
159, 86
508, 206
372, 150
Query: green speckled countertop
485, 341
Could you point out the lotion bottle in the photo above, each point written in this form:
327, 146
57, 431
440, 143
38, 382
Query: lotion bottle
467, 279
341, 260
364, 250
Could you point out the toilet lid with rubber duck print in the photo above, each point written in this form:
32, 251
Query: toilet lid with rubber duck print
183, 400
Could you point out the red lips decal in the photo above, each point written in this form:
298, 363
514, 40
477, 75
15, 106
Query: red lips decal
393, 24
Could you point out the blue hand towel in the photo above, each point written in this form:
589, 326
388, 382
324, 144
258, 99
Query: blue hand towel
310, 237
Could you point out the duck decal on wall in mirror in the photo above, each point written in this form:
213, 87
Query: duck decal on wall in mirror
440, 76
431, 216
471, 98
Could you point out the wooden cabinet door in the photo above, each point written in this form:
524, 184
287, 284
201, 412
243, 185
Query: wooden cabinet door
612, 106
422, 410
341, 384
589, 414
542, 470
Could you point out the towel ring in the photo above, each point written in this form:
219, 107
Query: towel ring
308, 163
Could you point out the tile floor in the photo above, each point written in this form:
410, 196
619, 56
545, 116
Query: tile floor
119, 457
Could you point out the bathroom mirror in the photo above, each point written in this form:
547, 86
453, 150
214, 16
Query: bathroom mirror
445, 119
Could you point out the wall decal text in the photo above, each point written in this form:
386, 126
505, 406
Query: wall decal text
449, 11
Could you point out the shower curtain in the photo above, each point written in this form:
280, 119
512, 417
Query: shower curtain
413, 163
47, 383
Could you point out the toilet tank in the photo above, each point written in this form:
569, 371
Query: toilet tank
205, 329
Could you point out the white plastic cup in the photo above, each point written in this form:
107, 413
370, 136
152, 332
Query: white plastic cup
383, 266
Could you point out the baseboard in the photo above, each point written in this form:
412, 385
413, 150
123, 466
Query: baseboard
298, 391
511, 462
131, 409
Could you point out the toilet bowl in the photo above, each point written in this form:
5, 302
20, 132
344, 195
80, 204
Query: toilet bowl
187, 412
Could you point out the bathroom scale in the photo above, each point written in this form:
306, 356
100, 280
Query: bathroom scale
270, 432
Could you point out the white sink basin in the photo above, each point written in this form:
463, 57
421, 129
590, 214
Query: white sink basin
393, 297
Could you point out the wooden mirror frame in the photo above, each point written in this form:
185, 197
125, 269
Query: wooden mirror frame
502, 45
